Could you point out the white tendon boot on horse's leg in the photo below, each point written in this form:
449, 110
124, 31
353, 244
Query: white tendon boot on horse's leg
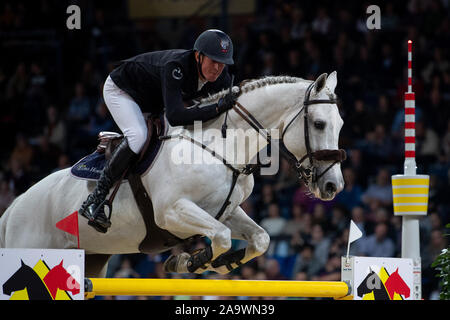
243, 228
185, 218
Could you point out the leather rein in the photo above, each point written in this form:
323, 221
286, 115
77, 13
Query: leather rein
308, 174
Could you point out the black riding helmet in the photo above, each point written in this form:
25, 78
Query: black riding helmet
216, 45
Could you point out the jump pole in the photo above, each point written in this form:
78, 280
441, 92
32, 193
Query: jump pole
205, 287
410, 190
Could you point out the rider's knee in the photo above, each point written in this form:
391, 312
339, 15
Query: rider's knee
137, 138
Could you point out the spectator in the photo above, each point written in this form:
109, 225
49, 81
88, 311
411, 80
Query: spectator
285, 185
91, 79
384, 112
274, 225
22, 153
267, 197
446, 142
438, 115
63, 162
306, 262
427, 144
46, 157
298, 24
322, 23
380, 191
79, 108
350, 197
55, 129
272, 270
378, 244
18, 84
100, 121
358, 165
321, 244
294, 67
294, 227
248, 272
19, 179
379, 146
359, 120
359, 218
6, 196
437, 64
339, 220
331, 271
126, 270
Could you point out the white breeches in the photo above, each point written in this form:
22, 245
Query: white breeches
127, 114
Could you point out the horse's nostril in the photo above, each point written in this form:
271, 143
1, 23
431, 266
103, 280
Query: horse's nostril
330, 187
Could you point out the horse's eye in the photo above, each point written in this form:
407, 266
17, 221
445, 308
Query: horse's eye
318, 124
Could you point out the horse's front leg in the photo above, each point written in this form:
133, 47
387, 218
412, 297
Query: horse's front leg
243, 228
185, 217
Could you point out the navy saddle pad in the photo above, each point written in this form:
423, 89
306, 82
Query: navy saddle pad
91, 166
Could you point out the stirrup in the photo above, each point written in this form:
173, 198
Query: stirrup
101, 226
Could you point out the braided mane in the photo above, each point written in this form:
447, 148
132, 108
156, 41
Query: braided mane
252, 84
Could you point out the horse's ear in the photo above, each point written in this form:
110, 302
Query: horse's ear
61, 263
320, 82
22, 263
331, 81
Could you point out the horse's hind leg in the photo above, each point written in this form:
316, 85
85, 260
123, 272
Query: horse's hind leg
243, 228
96, 265
185, 217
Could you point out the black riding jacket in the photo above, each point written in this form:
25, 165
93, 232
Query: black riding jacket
164, 80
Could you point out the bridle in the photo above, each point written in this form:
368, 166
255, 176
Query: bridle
308, 174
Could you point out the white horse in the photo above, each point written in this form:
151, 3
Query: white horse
186, 197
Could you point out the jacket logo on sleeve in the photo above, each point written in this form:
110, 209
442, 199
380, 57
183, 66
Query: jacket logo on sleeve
177, 74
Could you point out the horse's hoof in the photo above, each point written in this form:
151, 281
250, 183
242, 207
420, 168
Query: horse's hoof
177, 263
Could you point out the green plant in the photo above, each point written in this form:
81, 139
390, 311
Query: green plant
442, 264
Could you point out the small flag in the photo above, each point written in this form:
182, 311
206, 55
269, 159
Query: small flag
353, 235
70, 225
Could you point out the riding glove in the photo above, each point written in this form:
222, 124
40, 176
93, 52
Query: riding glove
227, 102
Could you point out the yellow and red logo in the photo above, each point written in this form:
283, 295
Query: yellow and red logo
383, 286
41, 283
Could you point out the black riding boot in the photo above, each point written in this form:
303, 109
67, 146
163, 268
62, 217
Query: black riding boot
94, 207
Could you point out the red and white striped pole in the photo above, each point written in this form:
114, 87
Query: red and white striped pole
410, 191
410, 121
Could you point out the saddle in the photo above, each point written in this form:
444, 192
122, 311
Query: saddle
156, 239
108, 141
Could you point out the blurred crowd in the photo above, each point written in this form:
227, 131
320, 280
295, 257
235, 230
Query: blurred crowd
52, 108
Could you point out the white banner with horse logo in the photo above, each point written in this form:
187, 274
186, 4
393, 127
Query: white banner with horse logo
41, 274
380, 278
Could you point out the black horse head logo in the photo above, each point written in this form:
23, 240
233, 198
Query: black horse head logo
26, 277
373, 283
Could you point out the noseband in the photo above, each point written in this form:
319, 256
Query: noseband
308, 174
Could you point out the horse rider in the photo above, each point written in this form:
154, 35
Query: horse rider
155, 82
